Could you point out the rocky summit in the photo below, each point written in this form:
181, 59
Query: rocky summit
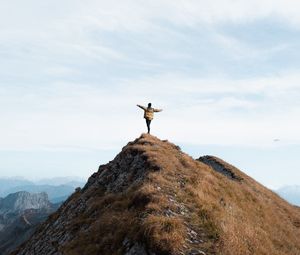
153, 199
23, 200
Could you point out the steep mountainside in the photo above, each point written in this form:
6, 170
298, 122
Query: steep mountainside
154, 199
20, 213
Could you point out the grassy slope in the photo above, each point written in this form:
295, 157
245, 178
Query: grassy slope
182, 204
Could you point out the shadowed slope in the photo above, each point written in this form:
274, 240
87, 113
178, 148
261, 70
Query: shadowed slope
154, 199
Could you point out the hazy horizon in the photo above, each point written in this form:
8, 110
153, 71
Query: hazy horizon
262, 164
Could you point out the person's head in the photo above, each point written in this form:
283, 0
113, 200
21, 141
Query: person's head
149, 105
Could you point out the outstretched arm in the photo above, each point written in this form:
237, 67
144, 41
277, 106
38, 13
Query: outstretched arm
142, 107
157, 110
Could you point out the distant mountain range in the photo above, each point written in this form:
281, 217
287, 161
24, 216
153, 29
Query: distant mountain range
25, 204
57, 189
20, 214
290, 193
56, 181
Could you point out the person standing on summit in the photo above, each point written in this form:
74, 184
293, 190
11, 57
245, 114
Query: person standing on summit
149, 114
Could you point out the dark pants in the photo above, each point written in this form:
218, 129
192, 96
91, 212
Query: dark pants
148, 122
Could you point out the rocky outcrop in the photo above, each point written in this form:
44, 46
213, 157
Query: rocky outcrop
21, 201
221, 167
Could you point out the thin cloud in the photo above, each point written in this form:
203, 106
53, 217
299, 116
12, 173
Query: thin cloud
89, 116
68, 72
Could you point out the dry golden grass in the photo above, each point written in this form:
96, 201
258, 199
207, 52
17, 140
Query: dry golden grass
240, 217
179, 194
165, 234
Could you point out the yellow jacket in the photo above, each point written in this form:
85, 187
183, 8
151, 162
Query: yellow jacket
149, 112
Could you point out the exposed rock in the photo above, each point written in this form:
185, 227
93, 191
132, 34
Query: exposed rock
22, 201
197, 252
220, 167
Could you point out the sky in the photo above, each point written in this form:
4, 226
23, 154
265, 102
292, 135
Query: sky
225, 73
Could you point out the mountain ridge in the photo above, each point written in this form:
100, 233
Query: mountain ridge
152, 198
